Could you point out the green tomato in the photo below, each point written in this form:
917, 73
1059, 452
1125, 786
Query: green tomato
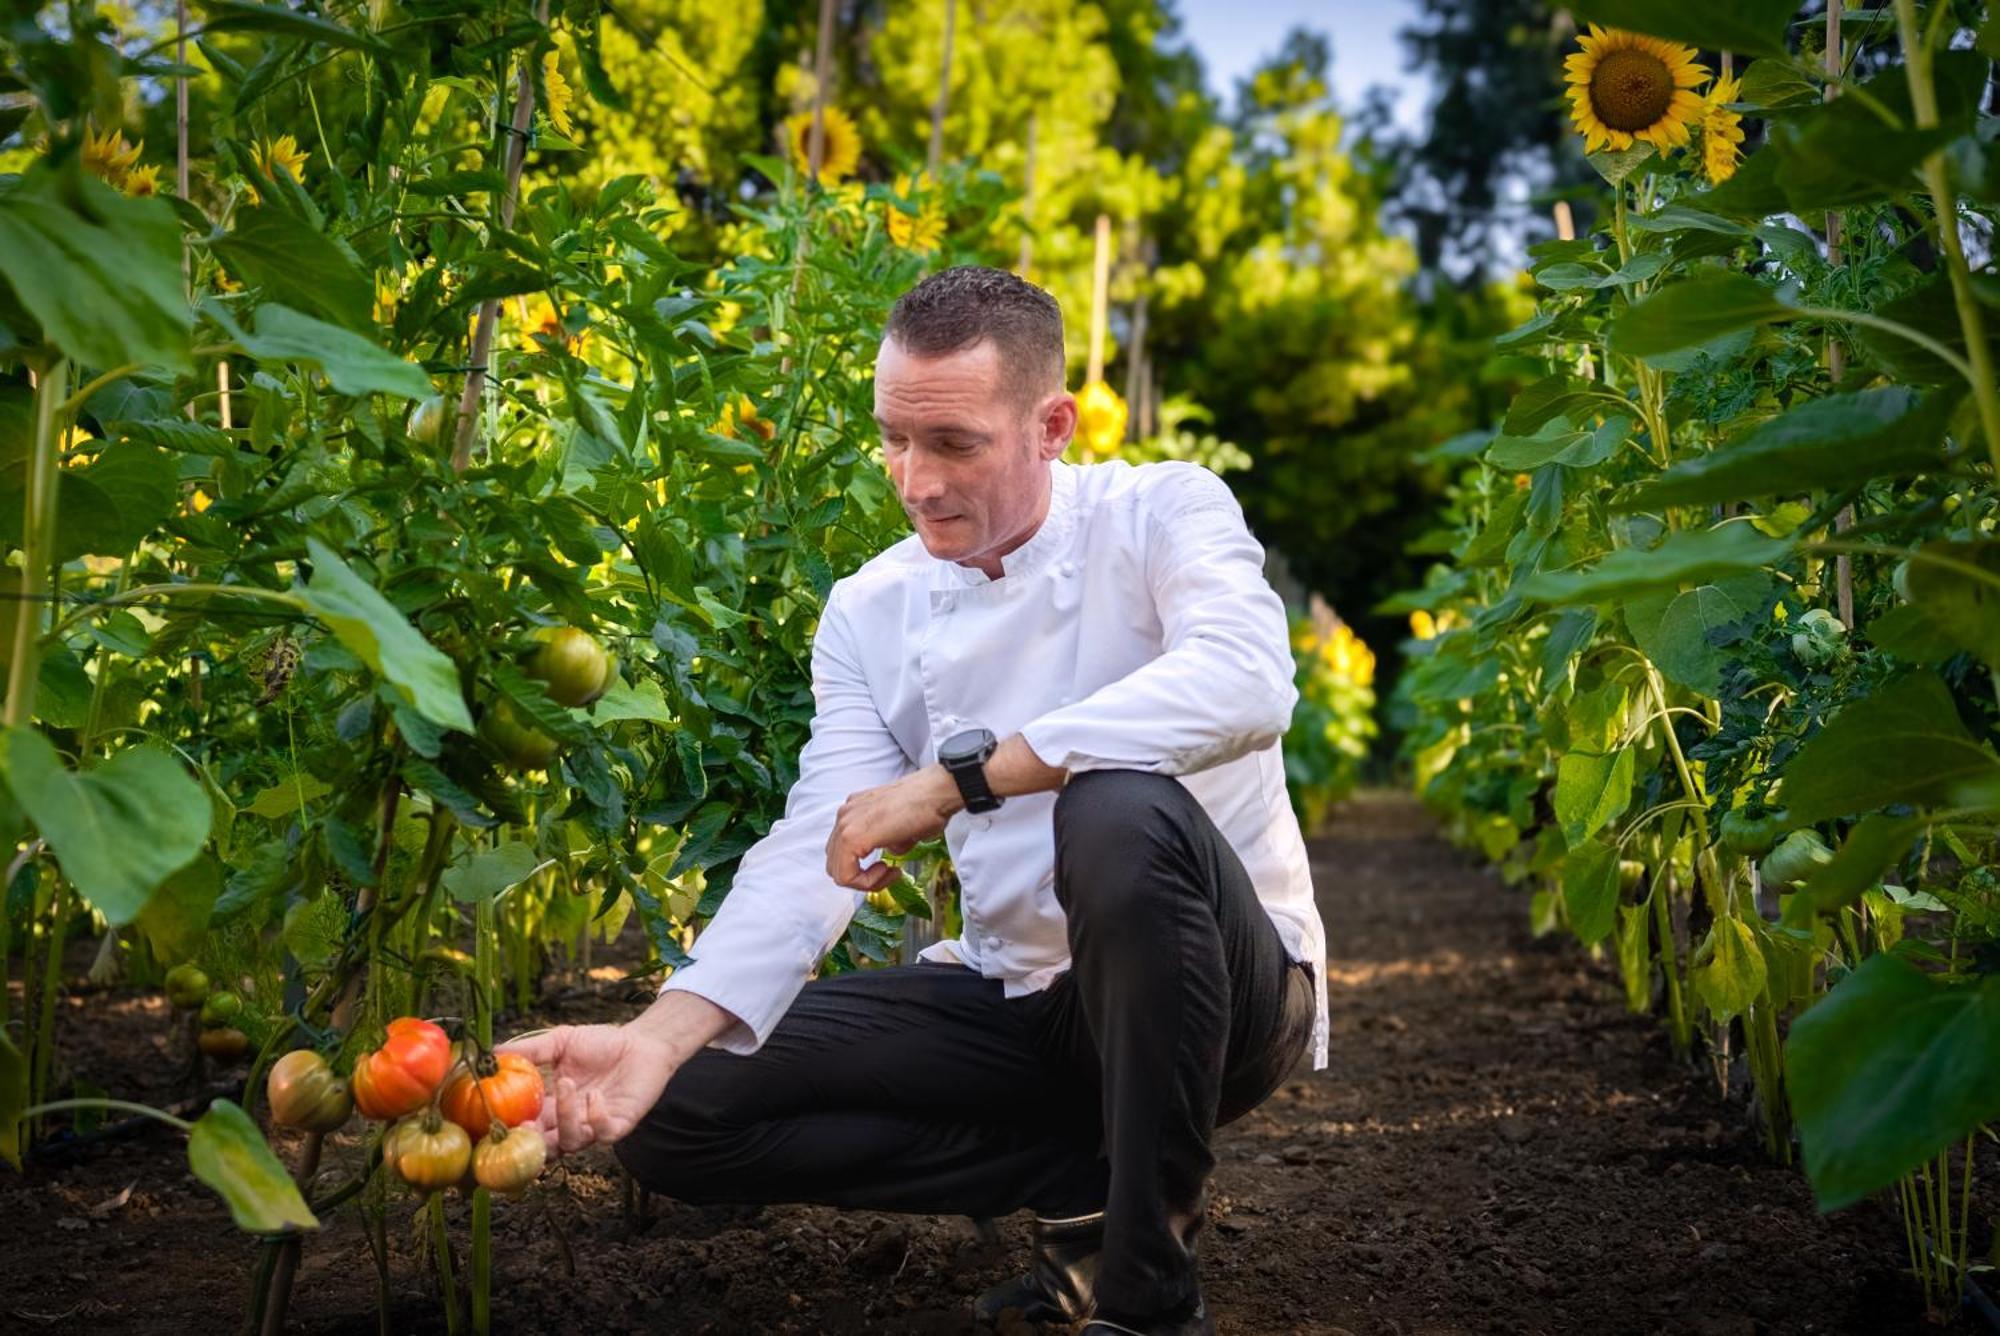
426, 424
572, 665
1819, 638
221, 1008
1796, 859
517, 742
187, 986
1752, 836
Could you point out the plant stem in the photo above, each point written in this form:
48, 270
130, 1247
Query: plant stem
441, 1241
121, 1105
38, 517
45, 1032
1944, 204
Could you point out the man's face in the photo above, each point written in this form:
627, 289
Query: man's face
968, 455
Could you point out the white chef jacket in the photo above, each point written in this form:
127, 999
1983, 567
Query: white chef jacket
1133, 630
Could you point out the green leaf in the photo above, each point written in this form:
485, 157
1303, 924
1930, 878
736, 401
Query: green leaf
1908, 633
175, 920
1889, 1068
352, 364
645, 701
119, 829
1734, 973
227, 1152
99, 271
1590, 891
1875, 843
1490, 543
1753, 193
294, 262
1544, 401
1843, 154
1691, 313
1929, 308
245, 16
1957, 603
381, 637
288, 798
1747, 27
1676, 637
1686, 556
1821, 445
1615, 165
488, 872
1591, 789
1903, 744
104, 508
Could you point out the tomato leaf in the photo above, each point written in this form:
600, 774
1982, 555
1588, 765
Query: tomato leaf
227, 1152
1888, 1069
488, 872
119, 829
382, 637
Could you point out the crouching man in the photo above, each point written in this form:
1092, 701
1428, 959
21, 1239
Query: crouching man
1079, 676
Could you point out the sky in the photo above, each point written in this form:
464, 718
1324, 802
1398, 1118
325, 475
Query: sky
1232, 36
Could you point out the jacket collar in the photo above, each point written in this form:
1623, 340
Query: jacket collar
1042, 545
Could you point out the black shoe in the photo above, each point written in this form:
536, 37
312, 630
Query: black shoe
1061, 1275
1197, 1323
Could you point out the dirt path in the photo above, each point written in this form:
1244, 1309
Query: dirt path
1496, 1148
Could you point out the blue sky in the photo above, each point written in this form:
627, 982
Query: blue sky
1233, 35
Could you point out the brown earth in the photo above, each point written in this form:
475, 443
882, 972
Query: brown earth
1497, 1147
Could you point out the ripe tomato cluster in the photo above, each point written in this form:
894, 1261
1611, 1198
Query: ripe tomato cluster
454, 1113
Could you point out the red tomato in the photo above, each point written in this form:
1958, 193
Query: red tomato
401, 1076
509, 1088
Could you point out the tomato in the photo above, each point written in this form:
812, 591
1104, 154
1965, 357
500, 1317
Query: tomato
224, 1043
509, 1089
187, 986
222, 1007
506, 1162
305, 1094
1751, 836
427, 1151
883, 902
518, 742
572, 665
426, 424
1802, 853
401, 1076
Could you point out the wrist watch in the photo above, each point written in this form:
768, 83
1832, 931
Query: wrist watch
964, 754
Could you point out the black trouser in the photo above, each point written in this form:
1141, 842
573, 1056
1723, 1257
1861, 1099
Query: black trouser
922, 1088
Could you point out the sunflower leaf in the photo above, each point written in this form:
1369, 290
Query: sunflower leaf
1747, 27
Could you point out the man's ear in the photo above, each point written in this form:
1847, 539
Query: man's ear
1057, 420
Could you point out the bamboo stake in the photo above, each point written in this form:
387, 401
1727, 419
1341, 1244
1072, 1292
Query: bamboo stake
1836, 351
1028, 203
822, 78
939, 107
489, 310
1135, 366
1100, 288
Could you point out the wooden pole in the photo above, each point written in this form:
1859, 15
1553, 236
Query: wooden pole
1836, 351
1100, 291
1135, 360
943, 102
822, 80
1028, 203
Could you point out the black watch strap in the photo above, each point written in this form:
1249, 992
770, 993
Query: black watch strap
963, 755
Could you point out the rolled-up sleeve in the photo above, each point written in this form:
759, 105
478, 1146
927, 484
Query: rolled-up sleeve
1222, 684
783, 911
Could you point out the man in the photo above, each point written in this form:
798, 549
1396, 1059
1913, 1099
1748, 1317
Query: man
1079, 675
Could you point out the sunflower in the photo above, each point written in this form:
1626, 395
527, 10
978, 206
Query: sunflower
921, 231
284, 151
1721, 132
1100, 418
561, 97
108, 156
143, 180
1422, 625
1627, 87
842, 151
740, 419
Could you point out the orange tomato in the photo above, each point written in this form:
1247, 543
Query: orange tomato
401, 1076
427, 1152
508, 1088
506, 1162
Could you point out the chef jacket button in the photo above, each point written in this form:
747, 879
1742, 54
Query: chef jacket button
986, 823
1067, 568
992, 943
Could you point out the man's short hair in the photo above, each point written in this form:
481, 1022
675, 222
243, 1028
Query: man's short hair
956, 308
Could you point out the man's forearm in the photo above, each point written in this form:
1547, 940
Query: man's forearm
686, 1022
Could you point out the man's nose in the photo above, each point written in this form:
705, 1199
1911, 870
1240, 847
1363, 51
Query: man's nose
922, 479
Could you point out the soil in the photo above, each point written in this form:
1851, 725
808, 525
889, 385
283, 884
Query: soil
1497, 1147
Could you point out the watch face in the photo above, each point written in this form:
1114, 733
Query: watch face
963, 745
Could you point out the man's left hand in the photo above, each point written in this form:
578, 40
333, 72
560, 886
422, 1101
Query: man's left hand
892, 817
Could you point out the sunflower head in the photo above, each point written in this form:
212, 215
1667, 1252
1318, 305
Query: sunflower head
108, 157
1422, 625
1627, 88
284, 151
1100, 419
1721, 132
842, 150
921, 230
561, 97
144, 180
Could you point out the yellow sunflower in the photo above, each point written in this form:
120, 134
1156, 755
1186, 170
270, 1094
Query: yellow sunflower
561, 97
108, 156
1100, 418
1626, 87
284, 151
1721, 132
842, 149
740, 419
1422, 625
143, 180
922, 231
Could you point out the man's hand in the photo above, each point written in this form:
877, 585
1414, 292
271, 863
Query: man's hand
892, 817
608, 1077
